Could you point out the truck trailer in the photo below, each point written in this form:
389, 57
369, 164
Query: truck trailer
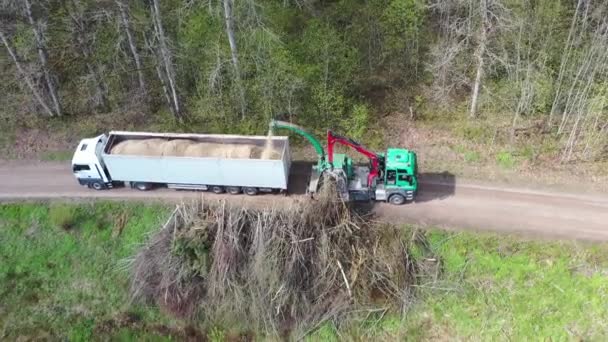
216, 162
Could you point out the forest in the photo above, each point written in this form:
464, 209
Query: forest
231, 65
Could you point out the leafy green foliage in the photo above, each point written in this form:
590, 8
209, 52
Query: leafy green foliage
402, 22
315, 63
359, 122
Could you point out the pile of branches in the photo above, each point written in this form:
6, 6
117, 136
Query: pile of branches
277, 270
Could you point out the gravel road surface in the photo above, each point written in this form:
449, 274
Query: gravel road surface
443, 201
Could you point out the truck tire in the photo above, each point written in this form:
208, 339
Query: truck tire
141, 186
251, 191
216, 189
396, 199
233, 190
97, 186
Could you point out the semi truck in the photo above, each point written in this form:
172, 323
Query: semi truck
240, 164
100, 164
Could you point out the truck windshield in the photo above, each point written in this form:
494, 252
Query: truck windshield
81, 167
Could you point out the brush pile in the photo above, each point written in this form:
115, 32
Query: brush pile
276, 270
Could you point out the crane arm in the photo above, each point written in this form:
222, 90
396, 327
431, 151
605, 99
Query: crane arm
375, 158
301, 131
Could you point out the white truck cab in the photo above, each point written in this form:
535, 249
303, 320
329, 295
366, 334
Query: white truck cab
88, 166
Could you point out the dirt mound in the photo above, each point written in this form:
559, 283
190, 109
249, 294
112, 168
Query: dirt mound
190, 148
277, 270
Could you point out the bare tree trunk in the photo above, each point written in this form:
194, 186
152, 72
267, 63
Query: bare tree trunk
477, 84
479, 55
124, 15
160, 74
166, 59
564, 62
26, 77
43, 56
234, 51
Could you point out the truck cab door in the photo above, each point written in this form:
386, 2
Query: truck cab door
404, 179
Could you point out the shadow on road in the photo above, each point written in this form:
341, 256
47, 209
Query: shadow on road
433, 185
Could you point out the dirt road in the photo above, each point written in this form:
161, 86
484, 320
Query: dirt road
443, 201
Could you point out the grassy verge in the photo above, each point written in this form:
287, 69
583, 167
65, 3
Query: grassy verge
508, 289
496, 288
63, 275
57, 155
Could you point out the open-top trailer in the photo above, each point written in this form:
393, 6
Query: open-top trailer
96, 165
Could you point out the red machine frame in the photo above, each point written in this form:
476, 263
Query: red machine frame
333, 138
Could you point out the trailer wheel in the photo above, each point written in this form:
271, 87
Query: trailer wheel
233, 190
142, 186
251, 191
216, 189
396, 199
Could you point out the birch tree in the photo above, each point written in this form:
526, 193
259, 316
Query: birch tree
469, 27
125, 24
229, 19
49, 78
482, 41
25, 76
82, 27
165, 68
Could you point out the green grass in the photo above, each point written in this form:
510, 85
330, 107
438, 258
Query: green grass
508, 289
62, 273
470, 156
63, 276
505, 160
57, 155
497, 288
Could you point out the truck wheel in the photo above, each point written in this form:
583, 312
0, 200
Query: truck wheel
142, 186
96, 186
233, 190
396, 199
216, 189
251, 191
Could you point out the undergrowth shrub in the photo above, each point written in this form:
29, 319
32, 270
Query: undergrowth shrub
505, 160
63, 216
